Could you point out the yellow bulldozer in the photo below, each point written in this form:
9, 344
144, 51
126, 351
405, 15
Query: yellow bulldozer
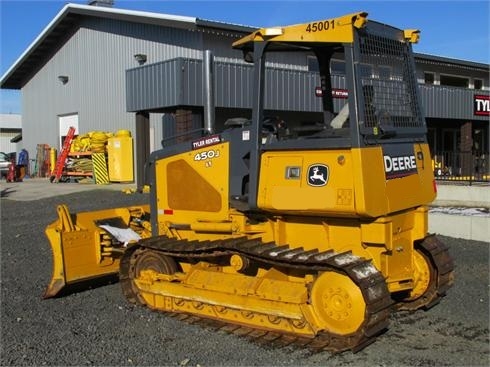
310, 233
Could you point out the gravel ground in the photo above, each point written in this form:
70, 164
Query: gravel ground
98, 326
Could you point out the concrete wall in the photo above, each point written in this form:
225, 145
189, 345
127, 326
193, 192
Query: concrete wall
460, 226
462, 195
463, 223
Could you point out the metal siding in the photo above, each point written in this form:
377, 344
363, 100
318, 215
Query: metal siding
220, 43
192, 84
5, 145
450, 102
289, 90
154, 86
95, 59
233, 83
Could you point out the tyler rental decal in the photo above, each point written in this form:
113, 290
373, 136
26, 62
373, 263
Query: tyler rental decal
206, 141
317, 175
481, 105
399, 161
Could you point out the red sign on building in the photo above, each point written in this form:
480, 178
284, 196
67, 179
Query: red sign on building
336, 93
481, 105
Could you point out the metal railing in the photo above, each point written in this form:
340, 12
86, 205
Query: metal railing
461, 166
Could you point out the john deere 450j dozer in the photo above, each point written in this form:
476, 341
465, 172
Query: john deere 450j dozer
312, 234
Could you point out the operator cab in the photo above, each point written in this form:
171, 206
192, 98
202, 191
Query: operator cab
375, 102
377, 89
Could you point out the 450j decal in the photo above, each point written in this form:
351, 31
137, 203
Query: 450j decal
207, 154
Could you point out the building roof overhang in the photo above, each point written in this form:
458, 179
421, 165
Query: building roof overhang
447, 61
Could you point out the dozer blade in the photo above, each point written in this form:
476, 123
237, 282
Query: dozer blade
84, 252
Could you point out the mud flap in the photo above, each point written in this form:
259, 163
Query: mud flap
83, 253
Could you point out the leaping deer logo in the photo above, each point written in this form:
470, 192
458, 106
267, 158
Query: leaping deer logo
317, 175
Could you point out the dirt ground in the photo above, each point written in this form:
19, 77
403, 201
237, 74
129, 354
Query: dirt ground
99, 327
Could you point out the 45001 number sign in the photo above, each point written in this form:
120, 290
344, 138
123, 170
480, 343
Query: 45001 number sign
320, 26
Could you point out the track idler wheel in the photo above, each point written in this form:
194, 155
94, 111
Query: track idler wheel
433, 275
338, 303
143, 259
424, 290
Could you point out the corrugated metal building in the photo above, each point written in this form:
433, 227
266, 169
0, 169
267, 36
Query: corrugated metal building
10, 129
83, 70
74, 72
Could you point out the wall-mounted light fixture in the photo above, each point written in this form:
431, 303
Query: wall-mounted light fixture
63, 79
141, 58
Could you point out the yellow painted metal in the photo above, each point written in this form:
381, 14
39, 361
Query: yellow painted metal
387, 240
355, 187
189, 190
256, 301
270, 301
53, 156
357, 209
412, 35
369, 182
120, 157
376, 196
352, 212
337, 303
279, 193
273, 301
421, 276
237, 262
414, 190
79, 247
334, 30
222, 227
99, 165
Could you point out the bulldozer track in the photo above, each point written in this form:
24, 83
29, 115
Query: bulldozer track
442, 264
366, 277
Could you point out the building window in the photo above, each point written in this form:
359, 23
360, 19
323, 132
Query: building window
312, 63
428, 78
478, 83
337, 67
454, 81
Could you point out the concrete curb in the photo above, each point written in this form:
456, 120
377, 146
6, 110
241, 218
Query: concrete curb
468, 227
460, 226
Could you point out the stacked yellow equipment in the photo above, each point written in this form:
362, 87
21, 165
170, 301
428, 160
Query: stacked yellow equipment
93, 141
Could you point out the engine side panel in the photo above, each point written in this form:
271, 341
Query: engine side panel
309, 182
193, 186
365, 182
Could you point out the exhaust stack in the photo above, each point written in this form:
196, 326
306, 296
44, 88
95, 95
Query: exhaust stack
208, 92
